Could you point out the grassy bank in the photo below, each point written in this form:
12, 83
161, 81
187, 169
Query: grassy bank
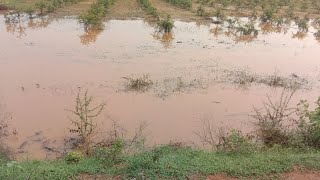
168, 162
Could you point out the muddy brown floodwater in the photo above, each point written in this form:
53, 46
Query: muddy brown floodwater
43, 61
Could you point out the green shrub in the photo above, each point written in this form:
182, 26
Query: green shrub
267, 15
93, 17
302, 24
309, 124
236, 142
112, 154
74, 157
166, 25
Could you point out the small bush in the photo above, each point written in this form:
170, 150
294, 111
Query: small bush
267, 16
74, 157
165, 25
271, 120
93, 17
302, 24
112, 154
236, 142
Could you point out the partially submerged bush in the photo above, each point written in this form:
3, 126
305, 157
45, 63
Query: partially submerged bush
271, 128
93, 17
165, 25
84, 115
139, 83
302, 24
247, 30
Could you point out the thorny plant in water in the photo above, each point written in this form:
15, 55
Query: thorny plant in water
275, 119
85, 114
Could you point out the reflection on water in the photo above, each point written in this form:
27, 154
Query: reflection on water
165, 38
91, 34
17, 24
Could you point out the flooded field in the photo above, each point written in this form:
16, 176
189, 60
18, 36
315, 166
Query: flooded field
200, 71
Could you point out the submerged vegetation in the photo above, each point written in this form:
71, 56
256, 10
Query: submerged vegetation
273, 149
138, 83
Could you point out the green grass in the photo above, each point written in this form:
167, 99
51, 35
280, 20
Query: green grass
149, 8
181, 3
46, 6
168, 163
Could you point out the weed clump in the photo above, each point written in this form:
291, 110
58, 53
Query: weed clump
138, 84
112, 154
74, 157
236, 142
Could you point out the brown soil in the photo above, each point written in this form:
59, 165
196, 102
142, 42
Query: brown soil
3, 7
123, 9
296, 174
74, 9
220, 177
299, 174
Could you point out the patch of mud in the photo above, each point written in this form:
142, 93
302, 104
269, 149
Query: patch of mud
219, 177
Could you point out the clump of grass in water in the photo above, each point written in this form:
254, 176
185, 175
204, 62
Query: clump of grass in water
247, 30
138, 84
165, 25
